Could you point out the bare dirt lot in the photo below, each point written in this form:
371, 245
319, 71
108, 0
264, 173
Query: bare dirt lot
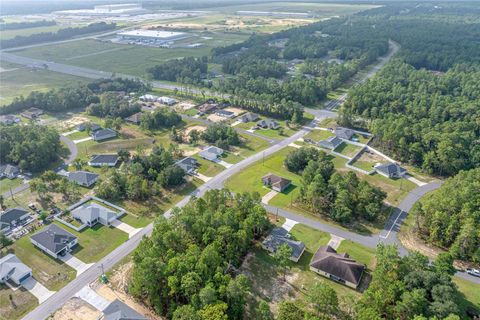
191, 128
216, 118
184, 106
236, 111
369, 156
73, 122
76, 309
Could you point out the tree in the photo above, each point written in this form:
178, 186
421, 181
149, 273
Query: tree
263, 311
323, 300
282, 256
194, 135
289, 311
2, 201
4, 241
444, 264
186, 312
214, 312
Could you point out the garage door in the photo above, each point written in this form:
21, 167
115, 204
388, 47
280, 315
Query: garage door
25, 277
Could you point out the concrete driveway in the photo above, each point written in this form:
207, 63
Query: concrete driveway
90, 296
125, 228
266, 198
75, 263
37, 289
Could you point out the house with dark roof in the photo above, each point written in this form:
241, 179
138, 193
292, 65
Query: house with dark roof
11, 268
117, 310
225, 113
167, 101
390, 170
104, 134
91, 213
9, 119
211, 153
93, 126
188, 164
54, 240
32, 113
280, 236
275, 182
248, 117
268, 124
338, 267
330, 143
12, 217
103, 160
207, 107
135, 118
9, 171
344, 133
83, 178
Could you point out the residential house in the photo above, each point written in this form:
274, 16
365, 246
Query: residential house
338, 267
268, 124
275, 182
344, 133
54, 240
93, 126
211, 153
280, 236
117, 310
390, 170
249, 117
167, 101
331, 143
104, 134
9, 119
103, 160
188, 164
11, 268
148, 98
225, 113
83, 178
9, 171
32, 113
135, 118
91, 213
207, 107
12, 217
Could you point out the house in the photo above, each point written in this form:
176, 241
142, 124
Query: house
148, 98
54, 240
225, 113
103, 160
280, 236
11, 268
167, 101
9, 171
93, 126
135, 118
249, 117
211, 153
11, 217
344, 133
207, 107
32, 113
83, 178
331, 143
91, 213
268, 124
104, 134
390, 170
275, 182
188, 164
117, 310
338, 267
9, 119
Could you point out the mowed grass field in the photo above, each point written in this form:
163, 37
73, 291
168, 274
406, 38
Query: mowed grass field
10, 34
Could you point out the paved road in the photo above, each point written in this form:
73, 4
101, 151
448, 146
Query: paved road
72, 147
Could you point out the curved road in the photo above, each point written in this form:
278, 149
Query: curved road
72, 147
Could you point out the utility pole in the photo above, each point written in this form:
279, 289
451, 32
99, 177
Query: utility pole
276, 215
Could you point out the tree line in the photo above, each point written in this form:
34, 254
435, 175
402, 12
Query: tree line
187, 70
110, 104
25, 25
160, 118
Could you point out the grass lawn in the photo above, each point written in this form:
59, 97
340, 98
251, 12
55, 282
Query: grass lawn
207, 167
361, 138
251, 145
396, 189
7, 184
317, 135
191, 112
358, 252
469, 293
96, 242
20, 304
364, 165
231, 157
347, 149
52, 273
78, 135
135, 221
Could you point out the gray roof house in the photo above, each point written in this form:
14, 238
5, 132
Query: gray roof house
54, 240
93, 126
135, 118
330, 143
249, 117
211, 153
101, 160
275, 182
9, 119
338, 267
91, 213
167, 101
117, 310
9, 171
268, 124
11, 268
11, 217
104, 134
225, 113
280, 236
390, 170
32, 113
83, 178
188, 164
344, 133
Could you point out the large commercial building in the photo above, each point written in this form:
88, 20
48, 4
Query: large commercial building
151, 35
106, 10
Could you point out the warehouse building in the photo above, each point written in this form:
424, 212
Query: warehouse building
158, 36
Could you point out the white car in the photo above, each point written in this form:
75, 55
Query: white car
473, 272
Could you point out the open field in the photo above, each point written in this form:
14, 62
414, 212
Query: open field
10, 34
7, 184
20, 304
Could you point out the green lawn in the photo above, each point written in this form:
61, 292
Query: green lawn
52, 273
347, 149
135, 221
10, 34
317, 135
364, 165
469, 293
207, 167
7, 184
251, 145
20, 304
78, 135
396, 189
358, 252
231, 157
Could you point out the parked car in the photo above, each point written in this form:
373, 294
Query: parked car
32, 206
473, 272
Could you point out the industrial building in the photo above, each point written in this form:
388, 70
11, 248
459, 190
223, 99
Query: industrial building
150, 37
106, 10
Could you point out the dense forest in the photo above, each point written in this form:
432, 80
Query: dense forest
160, 118
33, 148
186, 70
449, 217
61, 34
221, 135
110, 104
187, 268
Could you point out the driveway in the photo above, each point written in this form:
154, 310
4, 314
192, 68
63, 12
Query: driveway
335, 241
266, 198
223, 163
75, 263
89, 295
202, 177
125, 227
37, 289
